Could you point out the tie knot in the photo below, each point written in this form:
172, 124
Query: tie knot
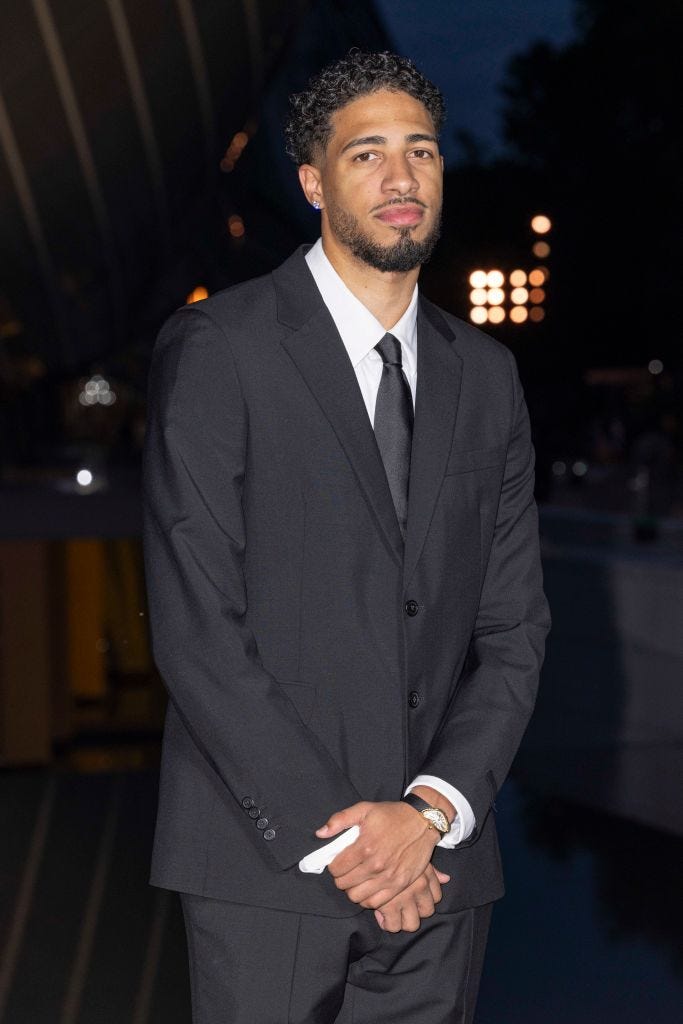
390, 350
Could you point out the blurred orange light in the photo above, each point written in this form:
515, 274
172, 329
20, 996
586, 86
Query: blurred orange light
197, 294
495, 278
478, 278
541, 249
496, 314
540, 224
538, 276
236, 226
517, 278
478, 296
519, 296
537, 313
240, 139
518, 314
537, 295
478, 315
495, 296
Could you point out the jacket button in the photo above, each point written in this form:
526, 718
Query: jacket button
261, 823
412, 607
269, 834
414, 698
254, 812
247, 803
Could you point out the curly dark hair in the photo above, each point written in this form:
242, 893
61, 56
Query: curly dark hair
308, 127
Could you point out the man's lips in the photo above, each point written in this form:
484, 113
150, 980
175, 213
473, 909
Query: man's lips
403, 213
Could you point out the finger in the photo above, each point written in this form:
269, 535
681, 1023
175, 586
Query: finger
410, 916
434, 887
379, 918
442, 876
347, 861
343, 819
424, 903
392, 917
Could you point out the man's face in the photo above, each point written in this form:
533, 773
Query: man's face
381, 181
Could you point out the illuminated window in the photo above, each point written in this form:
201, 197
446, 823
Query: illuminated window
478, 315
496, 314
537, 313
541, 250
540, 224
517, 278
495, 278
518, 314
478, 278
519, 296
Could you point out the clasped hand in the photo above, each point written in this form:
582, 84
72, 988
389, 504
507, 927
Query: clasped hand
388, 868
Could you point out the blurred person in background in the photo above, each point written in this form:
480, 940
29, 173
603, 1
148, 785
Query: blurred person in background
346, 597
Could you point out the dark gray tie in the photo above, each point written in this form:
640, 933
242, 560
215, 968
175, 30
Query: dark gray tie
394, 424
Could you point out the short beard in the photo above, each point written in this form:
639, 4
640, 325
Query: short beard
404, 254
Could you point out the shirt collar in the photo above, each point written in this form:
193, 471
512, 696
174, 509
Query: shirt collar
359, 329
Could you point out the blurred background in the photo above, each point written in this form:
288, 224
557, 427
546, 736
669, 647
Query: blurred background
142, 166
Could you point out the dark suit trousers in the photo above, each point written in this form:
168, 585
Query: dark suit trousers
252, 965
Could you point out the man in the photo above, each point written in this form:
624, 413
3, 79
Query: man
346, 596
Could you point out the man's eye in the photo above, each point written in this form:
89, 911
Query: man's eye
423, 154
364, 157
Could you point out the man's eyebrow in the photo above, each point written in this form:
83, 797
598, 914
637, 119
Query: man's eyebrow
379, 140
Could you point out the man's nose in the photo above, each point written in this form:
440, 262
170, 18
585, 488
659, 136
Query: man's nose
399, 176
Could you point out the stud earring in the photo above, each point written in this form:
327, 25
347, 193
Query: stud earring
315, 204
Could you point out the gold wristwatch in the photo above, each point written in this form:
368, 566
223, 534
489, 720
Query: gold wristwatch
435, 818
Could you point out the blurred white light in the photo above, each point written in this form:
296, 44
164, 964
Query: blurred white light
478, 296
559, 468
478, 315
495, 296
478, 278
84, 477
495, 278
540, 224
519, 296
579, 468
655, 366
517, 278
496, 314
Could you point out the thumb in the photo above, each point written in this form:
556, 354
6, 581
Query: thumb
341, 820
442, 876
379, 918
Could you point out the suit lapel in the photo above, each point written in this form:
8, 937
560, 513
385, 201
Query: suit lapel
439, 373
318, 353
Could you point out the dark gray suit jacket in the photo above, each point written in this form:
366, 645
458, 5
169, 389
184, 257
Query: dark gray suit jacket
310, 661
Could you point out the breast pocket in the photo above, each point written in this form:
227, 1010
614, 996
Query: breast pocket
475, 460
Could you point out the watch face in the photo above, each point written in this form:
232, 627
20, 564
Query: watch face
438, 819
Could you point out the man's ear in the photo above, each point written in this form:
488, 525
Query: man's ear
309, 178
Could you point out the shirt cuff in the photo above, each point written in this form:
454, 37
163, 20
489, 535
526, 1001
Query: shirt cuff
315, 863
463, 826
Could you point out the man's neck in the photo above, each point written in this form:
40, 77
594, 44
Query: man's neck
386, 294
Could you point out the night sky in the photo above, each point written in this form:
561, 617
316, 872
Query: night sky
465, 47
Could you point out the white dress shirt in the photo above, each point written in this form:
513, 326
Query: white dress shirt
361, 331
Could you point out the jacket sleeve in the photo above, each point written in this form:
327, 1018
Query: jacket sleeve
237, 714
495, 695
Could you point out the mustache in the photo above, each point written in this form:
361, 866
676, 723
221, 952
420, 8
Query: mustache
400, 201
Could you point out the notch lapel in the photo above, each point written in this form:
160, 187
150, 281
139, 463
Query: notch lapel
317, 351
439, 375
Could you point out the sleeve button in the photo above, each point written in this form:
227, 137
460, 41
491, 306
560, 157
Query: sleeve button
247, 803
254, 812
269, 834
261, 823
411, 607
